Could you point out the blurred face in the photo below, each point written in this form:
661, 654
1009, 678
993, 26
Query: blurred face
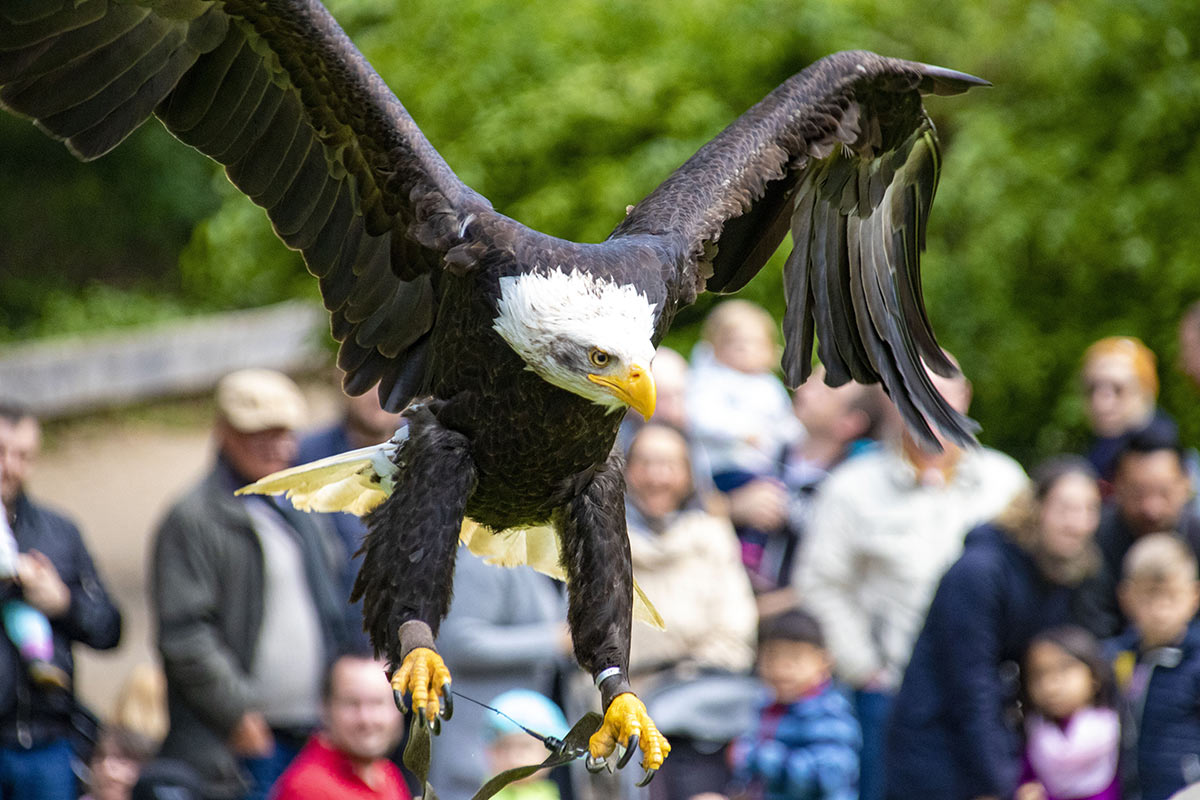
257, 455
1151, 491
360, 717
957, 393
20, 444
1116, 400
369, 423
113, 773
670, 382
516, 750
825, 411
746, 345
792, 669
1059, 683
1069, 515
658, 476
1161, 609
956, 390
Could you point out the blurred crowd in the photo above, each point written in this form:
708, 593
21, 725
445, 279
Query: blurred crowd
848, 614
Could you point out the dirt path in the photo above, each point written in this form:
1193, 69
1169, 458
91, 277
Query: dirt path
116, 479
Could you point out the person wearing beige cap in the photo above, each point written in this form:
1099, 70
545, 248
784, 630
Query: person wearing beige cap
247, 598
253, 400
258, 414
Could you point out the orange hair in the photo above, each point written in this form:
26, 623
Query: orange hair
1133, 350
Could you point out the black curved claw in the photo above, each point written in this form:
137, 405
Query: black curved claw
435, 725
447, 703
421, 717
593, 764
649, 776
630, 749
398, 698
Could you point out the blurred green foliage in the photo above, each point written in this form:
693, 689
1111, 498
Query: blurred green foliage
85, 246
1066, 210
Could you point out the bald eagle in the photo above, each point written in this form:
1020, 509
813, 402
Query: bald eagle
515, 353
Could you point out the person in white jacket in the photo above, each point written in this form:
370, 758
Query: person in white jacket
885, 526
687, 561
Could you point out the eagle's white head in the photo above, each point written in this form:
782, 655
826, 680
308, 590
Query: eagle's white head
587, 335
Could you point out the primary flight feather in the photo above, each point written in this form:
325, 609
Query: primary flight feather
515, 353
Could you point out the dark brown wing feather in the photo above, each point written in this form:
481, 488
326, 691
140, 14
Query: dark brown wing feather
274, 91
844, 156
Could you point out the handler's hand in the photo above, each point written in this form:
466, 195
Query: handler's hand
252, 736
41, 585
761, 503
1030, 791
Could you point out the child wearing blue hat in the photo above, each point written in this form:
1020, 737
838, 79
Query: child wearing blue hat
508, 746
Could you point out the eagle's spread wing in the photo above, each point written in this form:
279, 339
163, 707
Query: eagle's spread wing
274, 91
844, 156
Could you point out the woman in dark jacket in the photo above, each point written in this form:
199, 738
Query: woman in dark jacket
951, 734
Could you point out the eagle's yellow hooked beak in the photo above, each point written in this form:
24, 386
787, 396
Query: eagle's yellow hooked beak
634, 387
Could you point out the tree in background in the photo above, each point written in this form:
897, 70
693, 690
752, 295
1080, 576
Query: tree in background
1066, 210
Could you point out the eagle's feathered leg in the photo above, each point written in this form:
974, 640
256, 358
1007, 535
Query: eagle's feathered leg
595, 551
407, 574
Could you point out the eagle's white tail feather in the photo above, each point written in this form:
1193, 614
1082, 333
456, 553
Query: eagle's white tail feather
358, 481
355, 482
644, 610
350, 495
537, 547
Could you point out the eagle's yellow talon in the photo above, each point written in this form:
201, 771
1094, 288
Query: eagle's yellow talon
626, 722
423, 676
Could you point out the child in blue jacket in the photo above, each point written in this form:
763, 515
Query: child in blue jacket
1157, 664
807, 741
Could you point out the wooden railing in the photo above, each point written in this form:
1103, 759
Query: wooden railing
74, 375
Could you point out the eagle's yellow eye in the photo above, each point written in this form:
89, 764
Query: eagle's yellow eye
598, 357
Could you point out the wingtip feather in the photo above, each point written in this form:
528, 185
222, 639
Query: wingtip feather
943, 81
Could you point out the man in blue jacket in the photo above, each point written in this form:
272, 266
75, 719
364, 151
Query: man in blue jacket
56, 577
1151, 493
